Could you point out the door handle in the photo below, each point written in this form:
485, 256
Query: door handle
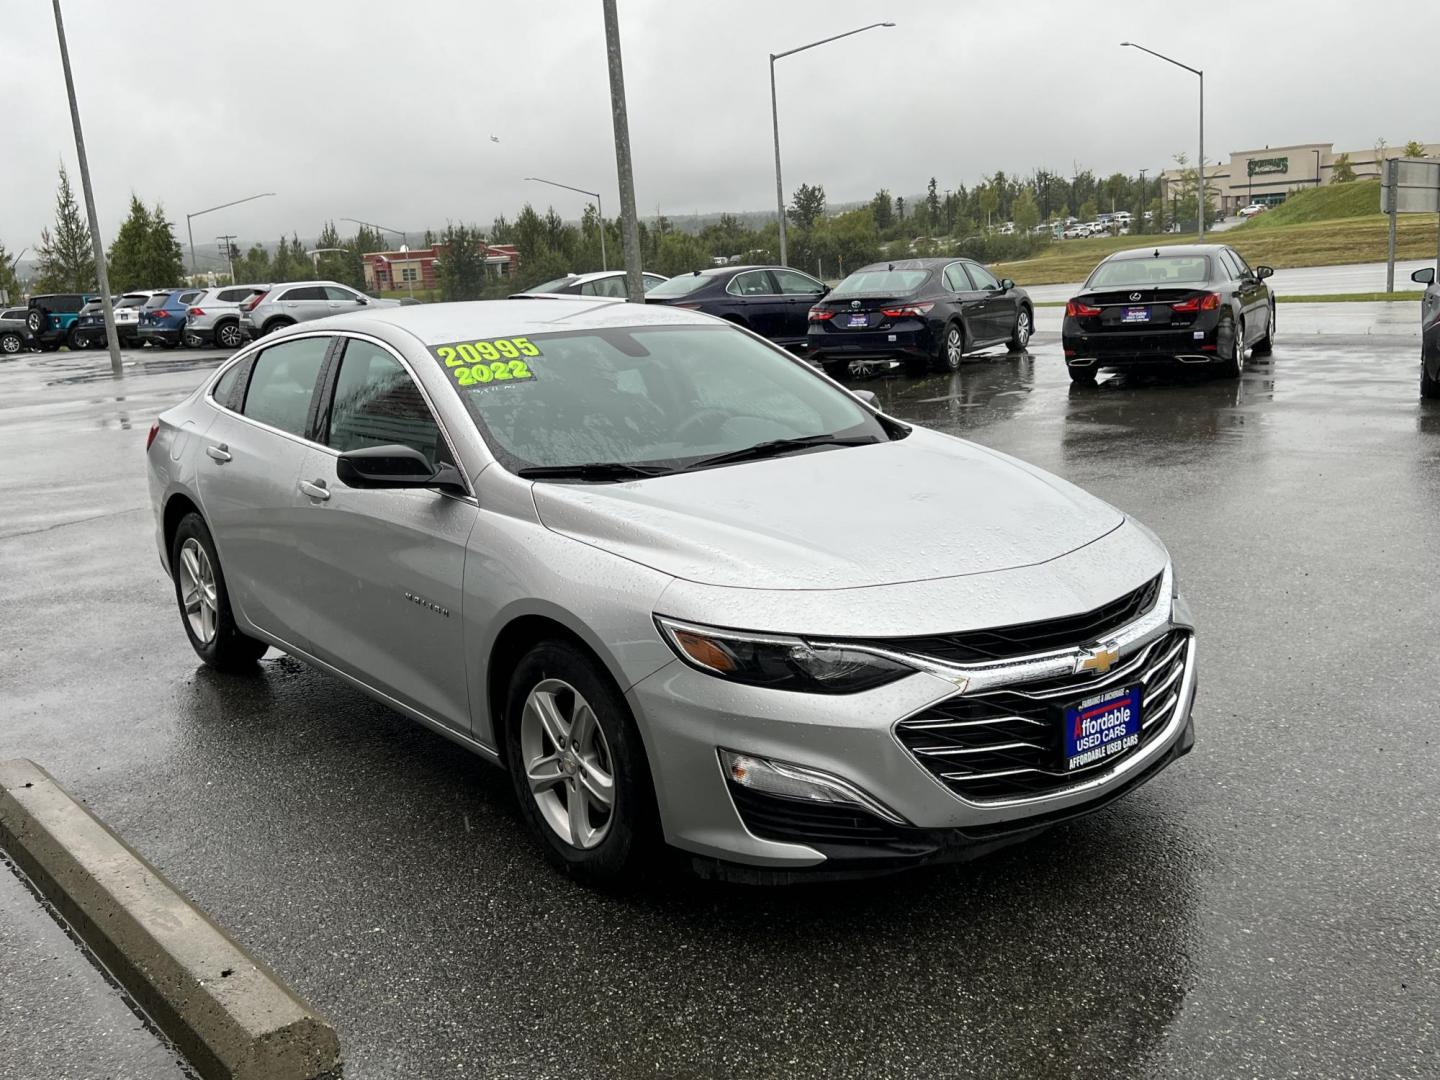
220, 453
317, 490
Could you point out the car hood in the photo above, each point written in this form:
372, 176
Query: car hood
924, 507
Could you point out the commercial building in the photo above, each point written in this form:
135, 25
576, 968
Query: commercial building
414, 268
1269, 174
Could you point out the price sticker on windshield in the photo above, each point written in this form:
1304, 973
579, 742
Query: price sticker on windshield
494, 361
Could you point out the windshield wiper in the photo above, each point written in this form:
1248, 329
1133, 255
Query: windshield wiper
775, 447
592, 470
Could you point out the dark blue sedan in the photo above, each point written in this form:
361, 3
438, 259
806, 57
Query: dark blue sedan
774, 301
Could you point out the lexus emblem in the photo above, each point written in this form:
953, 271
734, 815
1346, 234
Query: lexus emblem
1099, 659
855, 304
1134, 296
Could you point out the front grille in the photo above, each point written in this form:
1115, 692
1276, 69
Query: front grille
1024, 639
806, 821
1006, 744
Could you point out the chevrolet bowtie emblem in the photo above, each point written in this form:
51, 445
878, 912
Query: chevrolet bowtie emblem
1100, 659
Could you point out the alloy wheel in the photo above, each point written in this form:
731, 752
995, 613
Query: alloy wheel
954, 347
229, 335
197, 591
10, 344
568, 764
1022, 328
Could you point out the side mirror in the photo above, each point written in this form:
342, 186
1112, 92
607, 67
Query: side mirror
362, 301
395, 467
1264, 271
1424, 276
1006, 284
823, 292
868, 397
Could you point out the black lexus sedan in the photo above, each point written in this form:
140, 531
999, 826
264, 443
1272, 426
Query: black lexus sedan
771, 300
1196, 304
1430, 332
926, 312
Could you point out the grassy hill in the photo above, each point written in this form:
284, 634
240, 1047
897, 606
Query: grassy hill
1328, 226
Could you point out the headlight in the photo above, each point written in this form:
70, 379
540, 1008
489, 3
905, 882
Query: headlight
778, 662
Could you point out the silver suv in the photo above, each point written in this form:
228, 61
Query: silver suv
301, 301
214, 316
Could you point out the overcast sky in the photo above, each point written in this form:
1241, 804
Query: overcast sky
385, 110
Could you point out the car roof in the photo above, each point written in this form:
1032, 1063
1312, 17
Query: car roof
476, 320
597, 275
1166, 249
934, 262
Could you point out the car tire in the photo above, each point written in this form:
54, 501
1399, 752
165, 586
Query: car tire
1266, 345
10, 344
76, 341
1020, 333
1083, 376
276, 324
204, 601
193, 341
161, 343
36, 319
1233, 365
951, 350
228, 335
555, 690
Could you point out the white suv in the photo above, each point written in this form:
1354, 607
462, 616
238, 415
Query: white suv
302, 301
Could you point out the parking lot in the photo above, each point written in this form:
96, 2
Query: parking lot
1271, 902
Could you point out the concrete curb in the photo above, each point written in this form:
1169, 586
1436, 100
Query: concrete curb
227, 1013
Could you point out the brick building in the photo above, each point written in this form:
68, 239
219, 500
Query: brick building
415, 268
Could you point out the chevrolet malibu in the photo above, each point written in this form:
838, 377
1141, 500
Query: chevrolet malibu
682, 586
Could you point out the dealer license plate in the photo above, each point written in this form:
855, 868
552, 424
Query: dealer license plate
1135, 314
859, 320
1101, 727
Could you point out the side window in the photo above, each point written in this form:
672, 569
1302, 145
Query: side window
334, 292
1227, 265
187, 297
224, 389
1241, 266
611, 286
304, 292
283, 383
955, 279
377, 403
983, 278
794, 283
754, 283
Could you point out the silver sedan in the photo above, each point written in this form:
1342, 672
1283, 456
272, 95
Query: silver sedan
683, 587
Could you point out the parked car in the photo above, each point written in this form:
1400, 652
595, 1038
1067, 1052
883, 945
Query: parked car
90, 326
1191, 304
214, 316
52, 316
1429, 333
625, 561
88, 330
1250, 211
1075, 231
162, 319
600, 283
301, 301
926, 312
774, 301
15, 335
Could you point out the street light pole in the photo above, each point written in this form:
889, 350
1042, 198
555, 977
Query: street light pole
404, 246
1317, 168
199, 213
1199, 165
101, 272
1140, 214
775, 121
599, 209
629, 226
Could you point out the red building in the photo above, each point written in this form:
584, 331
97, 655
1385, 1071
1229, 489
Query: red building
415, 268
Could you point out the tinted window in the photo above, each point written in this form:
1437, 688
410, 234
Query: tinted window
1162, 271
683, 285
305, 292
187, 297
334, 292
610, 286
233, 296
65, 303
983, 278
794, 283
376, 403
955, 278
283, 382
1240, 263
132, 301
157, 301
752, 283
881, 283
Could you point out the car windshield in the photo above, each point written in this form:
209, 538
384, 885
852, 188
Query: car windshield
683, 285
1159, 271
880, 283
652, 396
552, 285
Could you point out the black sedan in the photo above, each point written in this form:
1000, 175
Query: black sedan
1430, 333
927, 312
1196, 304
774, 301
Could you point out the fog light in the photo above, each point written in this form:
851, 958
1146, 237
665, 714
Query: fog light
799, 782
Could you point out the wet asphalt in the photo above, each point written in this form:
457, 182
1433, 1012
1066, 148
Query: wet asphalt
1268, 907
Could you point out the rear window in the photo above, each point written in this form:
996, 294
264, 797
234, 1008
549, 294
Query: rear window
881, 283
1162, 271
680, 286
132, 301
157, 301
552, 285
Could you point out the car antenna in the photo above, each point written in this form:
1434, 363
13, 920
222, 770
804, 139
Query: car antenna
892, 266
1157, 253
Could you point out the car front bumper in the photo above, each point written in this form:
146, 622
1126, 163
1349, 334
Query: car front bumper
687, 717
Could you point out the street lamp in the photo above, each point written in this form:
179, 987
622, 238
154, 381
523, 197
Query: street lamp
1200, 165
198, 213
775, 119
404, 236
599, 209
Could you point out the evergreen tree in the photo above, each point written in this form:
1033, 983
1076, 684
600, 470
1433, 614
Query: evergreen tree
253, 268
462, 266
127, 257
932, 202
162, 261
66, 257
807, 206
882, 210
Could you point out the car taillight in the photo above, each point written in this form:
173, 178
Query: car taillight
150, 439
905, 309
1207, 302
254, 302
820, 314
1078, 309
196, 311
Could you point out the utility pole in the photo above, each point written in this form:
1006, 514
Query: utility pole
629, 227
100, 269
1140, 210
229, 252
